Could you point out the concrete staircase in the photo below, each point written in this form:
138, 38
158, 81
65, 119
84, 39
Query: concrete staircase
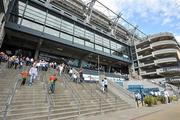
71, 100
29, 102
7, 80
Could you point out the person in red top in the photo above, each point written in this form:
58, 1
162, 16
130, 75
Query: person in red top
24, 75
52, 81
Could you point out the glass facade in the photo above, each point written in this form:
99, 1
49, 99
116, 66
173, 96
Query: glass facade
46, 21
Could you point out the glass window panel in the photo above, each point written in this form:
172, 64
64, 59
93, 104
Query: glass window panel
106, 42
98, 47
53, 21
79, 31
88, 44
67, 27
113, 45
98, 39
113, 52
78, 41
35, 14
32, 25
15, 19
66, 36
51, 31
89, 35
106, 50
119, 47
21, 8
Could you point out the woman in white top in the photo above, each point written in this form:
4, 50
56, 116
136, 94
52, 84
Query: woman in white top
33, 72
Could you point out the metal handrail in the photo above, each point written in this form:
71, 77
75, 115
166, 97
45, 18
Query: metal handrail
131, 95
101, 99
90, 92
48, 97
74, 94
11, 96
115, 97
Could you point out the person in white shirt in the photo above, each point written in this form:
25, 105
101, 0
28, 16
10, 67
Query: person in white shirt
70, 72
60, 67
102, 85
74, 77
166, 95
33, 72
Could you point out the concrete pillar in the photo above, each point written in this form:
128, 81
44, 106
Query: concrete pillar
37, 49
109, 68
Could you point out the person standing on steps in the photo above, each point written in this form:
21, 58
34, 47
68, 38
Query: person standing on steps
105, 84
33, 72
102, 86
52, 81
24, 75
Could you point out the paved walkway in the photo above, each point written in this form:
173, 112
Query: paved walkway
158, 112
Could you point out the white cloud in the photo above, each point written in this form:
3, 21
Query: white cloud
161, 12
144, 8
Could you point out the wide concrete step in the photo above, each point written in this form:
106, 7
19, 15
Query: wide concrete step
35, 117
21, 98
18, 116
72, 117
28, 102
61, 110
29, 105
25, 110
64, 114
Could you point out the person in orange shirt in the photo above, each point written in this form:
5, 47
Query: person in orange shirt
52, 81
24, 75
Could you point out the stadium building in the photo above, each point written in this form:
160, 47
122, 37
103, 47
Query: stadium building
72, 30
77, 33
159, 58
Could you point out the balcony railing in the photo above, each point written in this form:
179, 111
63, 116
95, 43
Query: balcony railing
148, 73
142, 49
144, 65
168, 69
165, 34
165, 51
165, 60
143, 57
165, 42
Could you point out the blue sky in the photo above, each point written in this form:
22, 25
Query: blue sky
151, 16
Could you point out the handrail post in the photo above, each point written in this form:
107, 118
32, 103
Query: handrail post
115, 102
100, 105
79, 109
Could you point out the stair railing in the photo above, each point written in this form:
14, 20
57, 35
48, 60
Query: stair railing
48, 98
126, 92
74, 94
11, 95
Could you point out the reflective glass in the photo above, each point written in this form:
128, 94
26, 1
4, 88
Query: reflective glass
53, 21
67, 27
98, 39
51, 31
35, 14
106, 50
89, 35
106, 42
32, 25
79, 31
66, 36
15, 19
78, 41
98, 47
21, 8
88, 44
113, 45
